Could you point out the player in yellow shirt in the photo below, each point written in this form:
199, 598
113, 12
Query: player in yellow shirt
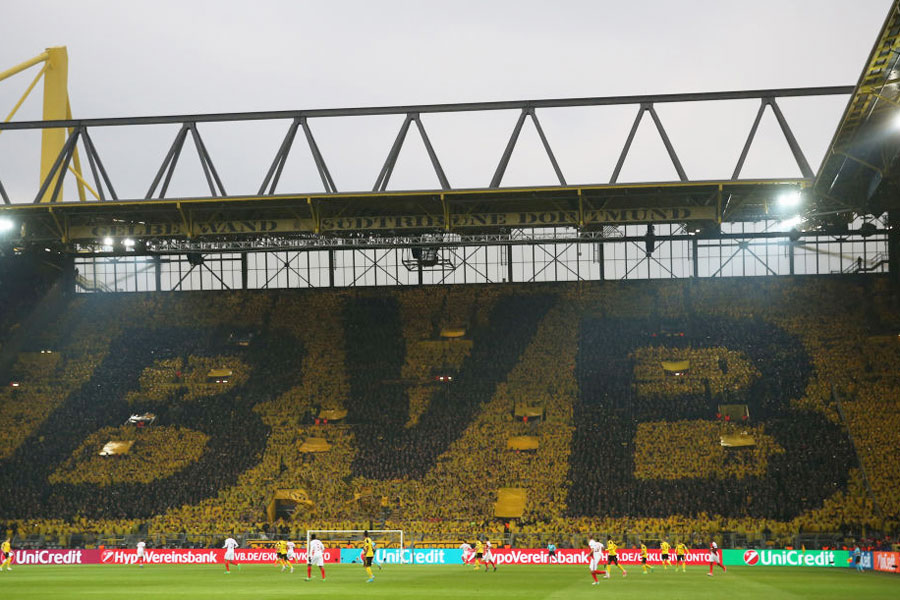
369, 554
282, 555
479, 553
612, 555
680, 556
644, 565
664, 555
6, 555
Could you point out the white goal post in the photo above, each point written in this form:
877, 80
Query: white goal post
379, 536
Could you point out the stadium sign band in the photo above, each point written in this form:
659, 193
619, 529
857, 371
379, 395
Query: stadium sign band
882, 561
418, 556
568, 218
787, 558
887, 562
51, 557
627, 556
169, 556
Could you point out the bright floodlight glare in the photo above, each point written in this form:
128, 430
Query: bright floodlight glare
791, 223
6, 224
789, 199
107, 241
128, 243
896, 122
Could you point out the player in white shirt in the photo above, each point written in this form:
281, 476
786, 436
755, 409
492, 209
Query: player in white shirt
291, 555
715, 558
468, 553
596, 558
488, 557
141, 547
315, 555
230, 545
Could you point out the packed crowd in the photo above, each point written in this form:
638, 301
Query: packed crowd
24, 280
188, 379
139, 455
429, 457
694, 450
708, 369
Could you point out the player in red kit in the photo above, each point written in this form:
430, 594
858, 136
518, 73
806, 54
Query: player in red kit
715, 558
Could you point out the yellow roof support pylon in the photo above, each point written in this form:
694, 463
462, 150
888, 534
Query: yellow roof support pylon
56, 108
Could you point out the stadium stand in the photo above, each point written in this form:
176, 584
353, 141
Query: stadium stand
620, 442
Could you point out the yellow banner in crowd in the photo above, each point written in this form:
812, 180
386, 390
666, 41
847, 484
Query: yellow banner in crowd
676, 366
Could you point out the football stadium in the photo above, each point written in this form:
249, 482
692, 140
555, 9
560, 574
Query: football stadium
683, 386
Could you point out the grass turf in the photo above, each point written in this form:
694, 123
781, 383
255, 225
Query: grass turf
433, 582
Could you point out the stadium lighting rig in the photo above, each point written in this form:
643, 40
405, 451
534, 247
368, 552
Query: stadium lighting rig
789, 200
791, 223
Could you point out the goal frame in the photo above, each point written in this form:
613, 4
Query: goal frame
309, 532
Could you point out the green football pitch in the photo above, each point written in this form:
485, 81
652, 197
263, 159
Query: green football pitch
432, 582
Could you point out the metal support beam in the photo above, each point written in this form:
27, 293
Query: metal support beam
668, 144
92, 162
439, 108
331, 268
791, 140
209, 170
634, 127
507, 153
749, 142
92, 149
3, 194
601, 259
56, 102
277, 166
168, 164
695, 258
324, 173
861, 162
791, 257
24, 65
385, 175
509, 264
157, 272
435, 163
56, 173
550, 155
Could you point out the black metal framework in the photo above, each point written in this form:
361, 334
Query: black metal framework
412, 115
167, 169
859, 171
741, 250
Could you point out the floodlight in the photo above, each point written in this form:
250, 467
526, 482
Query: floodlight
789, 200
6, 224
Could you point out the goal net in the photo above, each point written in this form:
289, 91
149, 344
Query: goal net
388, 543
